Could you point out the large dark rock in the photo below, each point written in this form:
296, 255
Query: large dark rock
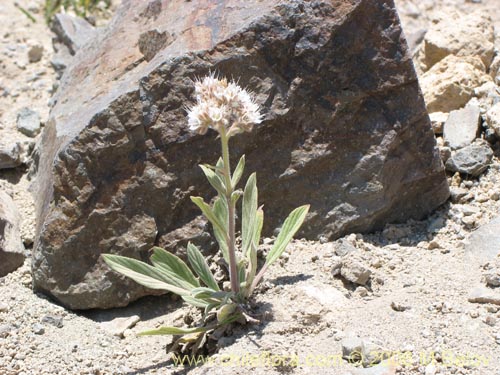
11, 246
345, 130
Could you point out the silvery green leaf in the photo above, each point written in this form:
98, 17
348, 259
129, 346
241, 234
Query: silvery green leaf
251, 269
202, 293
219, 168
195, 301
221, 212
214, 180
173, 331
249, 216
259, 223
210, 215
171, 263
291, 225
241, 271
142, 273
238, 172
200, 266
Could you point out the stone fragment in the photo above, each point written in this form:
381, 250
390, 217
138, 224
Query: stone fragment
460, 35
457, 193
352, 348
396, 306
38, 329
10, 154
329, 297
73, 32
345, 127
437, 121
485, 295
11, 246
118, 326
354, 271
343, 247
462, 126
35, 53
4, 307
336, 265
493, 118
486, 96
361, 351
55, 321
492, 278
472, 160
450, 83
445, 153
28, 122
484, 243
387, 367
5, 330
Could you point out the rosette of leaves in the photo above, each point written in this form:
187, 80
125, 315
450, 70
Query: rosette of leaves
195, 283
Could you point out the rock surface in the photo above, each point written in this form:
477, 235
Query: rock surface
493, 118
472, 160
28, 122
485, 295
460, 35
11, 247
73, 32
10, 154
345, 126
450, 83
462, 126
484, 243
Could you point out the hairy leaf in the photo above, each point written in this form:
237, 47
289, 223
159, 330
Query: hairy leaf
222, 214
195, 301
209, 214
249, 217
216, 182
173, 331
290, 227
142, 273
200, 266
238, 172
173, 264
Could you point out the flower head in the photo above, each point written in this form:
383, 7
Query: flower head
222, 105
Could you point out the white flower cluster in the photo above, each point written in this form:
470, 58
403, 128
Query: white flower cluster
222, 105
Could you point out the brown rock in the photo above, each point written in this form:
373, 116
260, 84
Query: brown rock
482, 294
345, 128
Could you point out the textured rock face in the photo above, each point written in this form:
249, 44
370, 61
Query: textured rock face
460, 35
345, 130
462, 126
450, 83
493, 118
11, 247
471, 160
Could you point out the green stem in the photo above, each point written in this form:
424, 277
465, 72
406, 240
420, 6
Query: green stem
233, 270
